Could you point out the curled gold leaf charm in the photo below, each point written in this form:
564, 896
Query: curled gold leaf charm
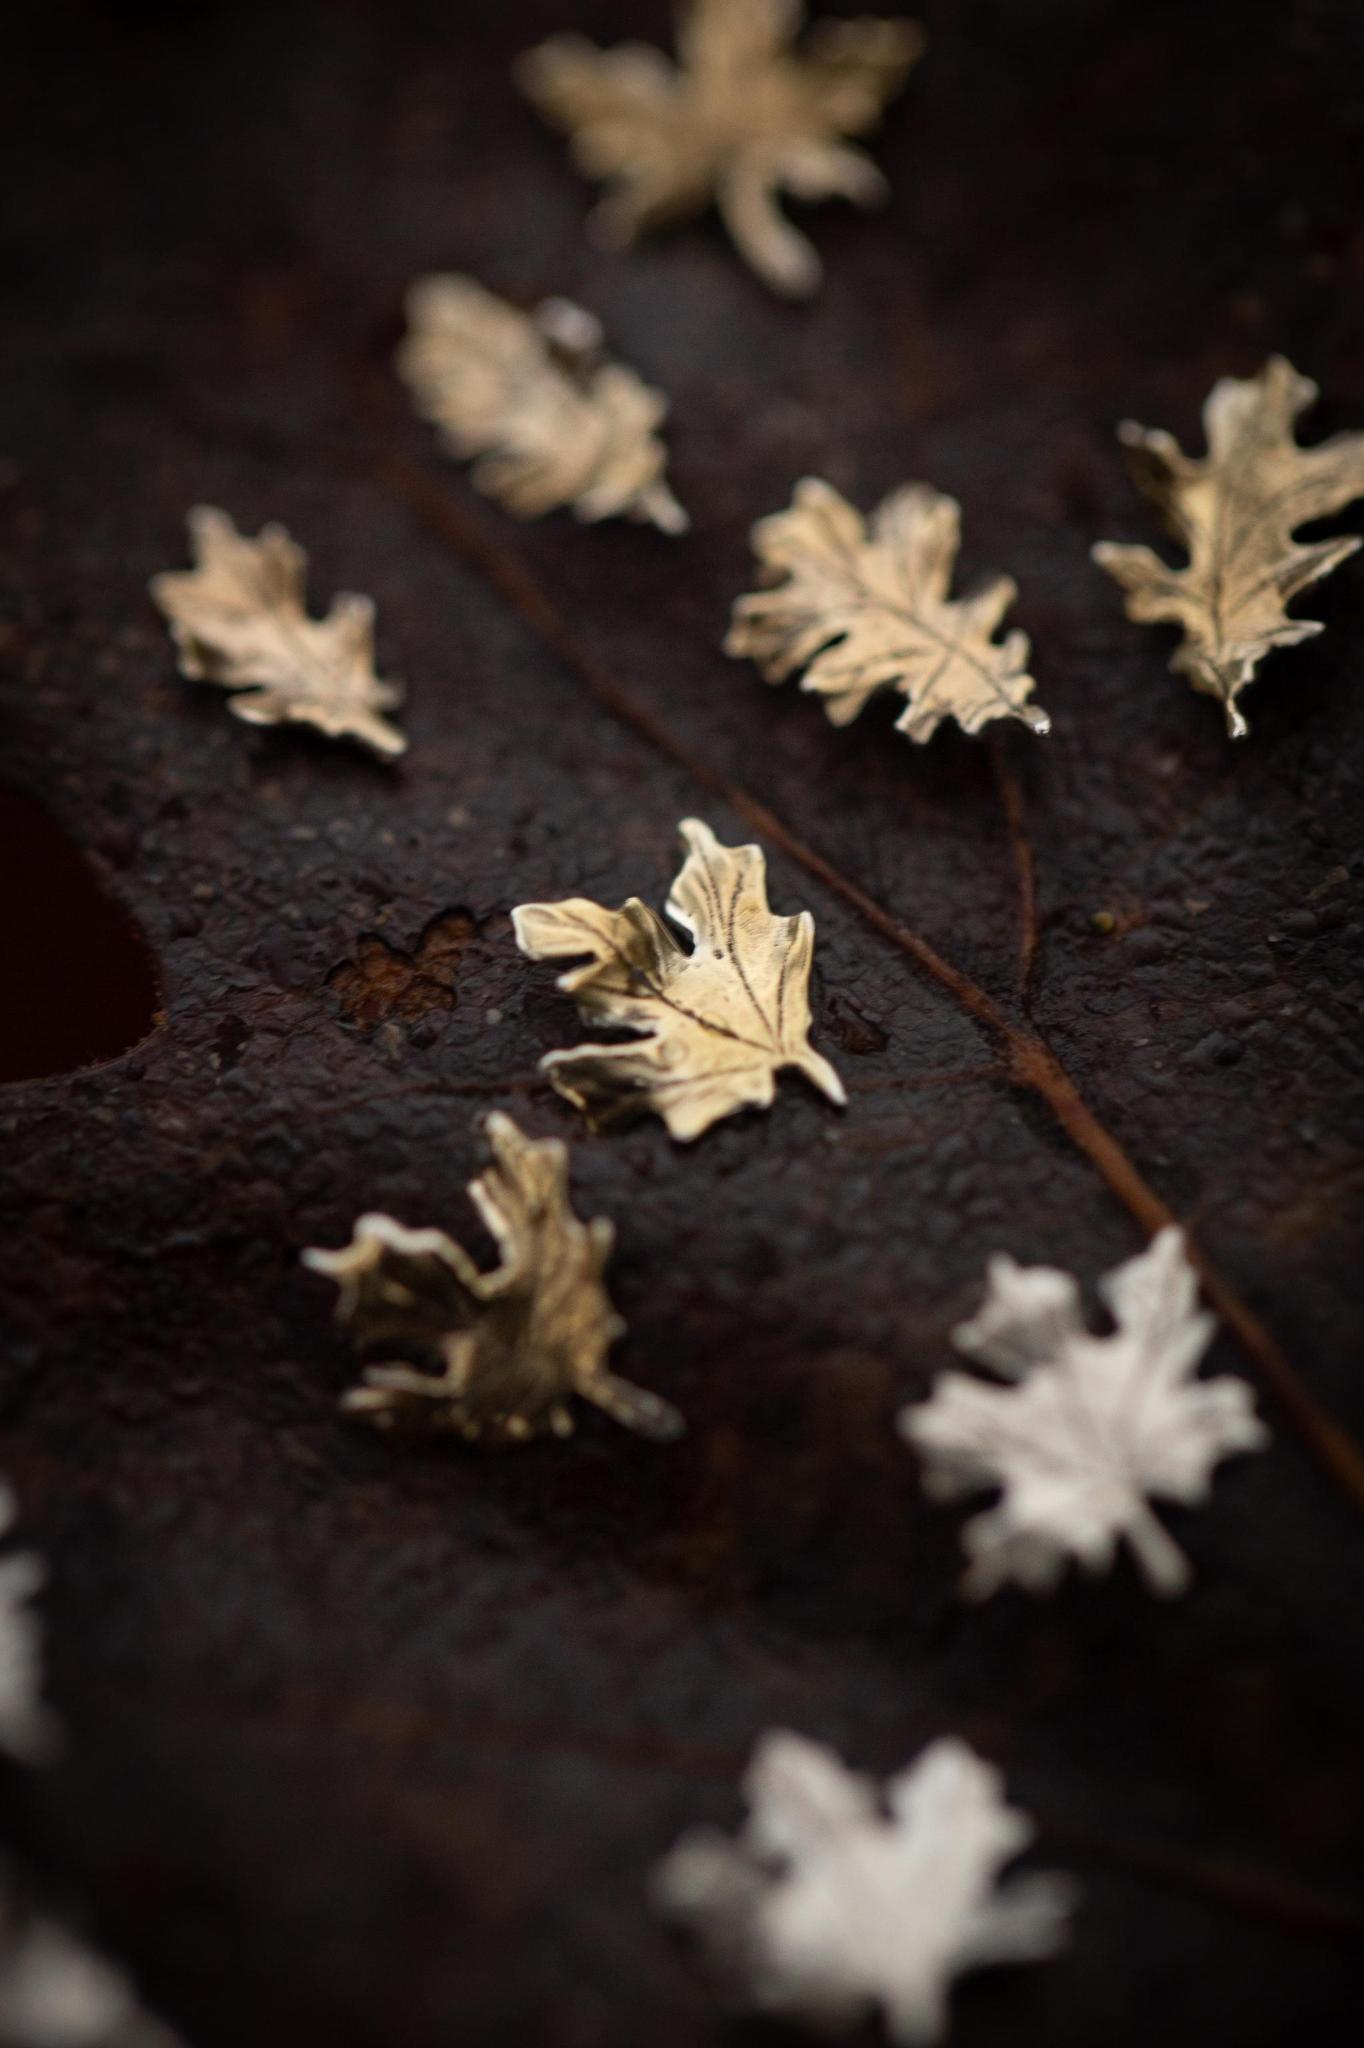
719, 1022
1236, 512
239, 619
862, 606
500, 1355
535, 398
742, 117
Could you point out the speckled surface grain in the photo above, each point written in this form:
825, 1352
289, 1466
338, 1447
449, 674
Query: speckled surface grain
373, 1747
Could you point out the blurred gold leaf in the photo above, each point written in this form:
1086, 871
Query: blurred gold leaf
741, 118
535, 398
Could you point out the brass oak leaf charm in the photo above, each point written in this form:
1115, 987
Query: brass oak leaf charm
742, 118
536, 399
862, 606
497, 1355
239, 619
720, 1021
1236, 512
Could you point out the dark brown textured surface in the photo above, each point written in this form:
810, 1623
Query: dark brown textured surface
377, 1746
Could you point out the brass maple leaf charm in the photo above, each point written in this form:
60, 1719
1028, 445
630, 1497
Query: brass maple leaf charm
534, 396
741, 119
721, 1021
862, 605
503, 1352
239, 619
1236, 512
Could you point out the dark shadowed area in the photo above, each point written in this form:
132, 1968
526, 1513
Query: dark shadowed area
79, 982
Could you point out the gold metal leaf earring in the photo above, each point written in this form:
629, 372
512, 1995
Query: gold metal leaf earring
1235, 512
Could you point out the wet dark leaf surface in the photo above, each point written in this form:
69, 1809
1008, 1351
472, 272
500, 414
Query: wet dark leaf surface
377, 1745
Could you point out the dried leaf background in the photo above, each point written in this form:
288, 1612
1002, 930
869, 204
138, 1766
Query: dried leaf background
740, 119
168, 314
1236, 512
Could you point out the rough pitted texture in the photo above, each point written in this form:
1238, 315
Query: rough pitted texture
374, 1746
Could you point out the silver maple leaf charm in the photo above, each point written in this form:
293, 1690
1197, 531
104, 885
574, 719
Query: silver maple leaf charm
833, 1901
1092, 1426
1237, 511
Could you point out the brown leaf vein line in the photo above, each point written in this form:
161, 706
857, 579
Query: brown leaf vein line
724, 915
952, 650
1030, 1062
736, 957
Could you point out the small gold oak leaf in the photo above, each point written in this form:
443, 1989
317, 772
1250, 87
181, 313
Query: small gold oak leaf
721, 1020
1235, 512
493, 1356
239, 619
534, 397
741, 119
862, 606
